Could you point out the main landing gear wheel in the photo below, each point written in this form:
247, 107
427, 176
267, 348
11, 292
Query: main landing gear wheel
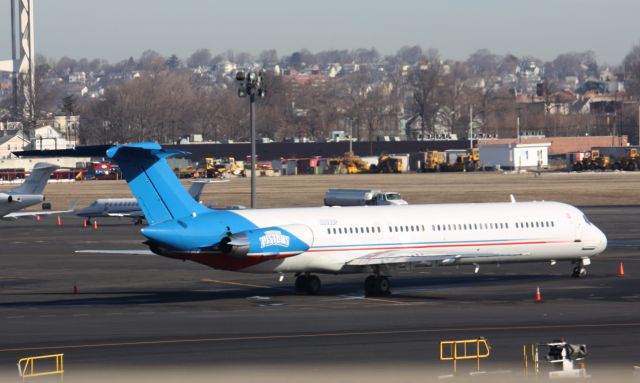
309, 284
377, 285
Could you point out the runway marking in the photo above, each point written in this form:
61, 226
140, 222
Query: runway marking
317, 335
234, 283
16, 317
80, 315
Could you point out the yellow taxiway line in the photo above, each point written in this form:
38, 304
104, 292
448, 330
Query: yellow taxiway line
316, 335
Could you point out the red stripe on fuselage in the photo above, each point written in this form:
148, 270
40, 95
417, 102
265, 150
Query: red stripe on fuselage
224, 262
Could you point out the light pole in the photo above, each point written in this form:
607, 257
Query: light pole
252, 85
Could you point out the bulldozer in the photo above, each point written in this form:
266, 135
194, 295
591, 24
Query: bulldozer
592, 160
223, 167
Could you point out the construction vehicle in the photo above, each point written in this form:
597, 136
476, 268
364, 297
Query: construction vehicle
387, 164
468, 162
359, 197
223, 167
592, 160
427, 161
349, 164
630, 160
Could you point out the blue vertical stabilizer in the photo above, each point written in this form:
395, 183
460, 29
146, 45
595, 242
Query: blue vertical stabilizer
157, 190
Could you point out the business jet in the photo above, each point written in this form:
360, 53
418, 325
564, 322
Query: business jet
128, 207
28, 194
378, 240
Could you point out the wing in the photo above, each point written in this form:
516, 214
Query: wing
132, 214
23, 214
427, 258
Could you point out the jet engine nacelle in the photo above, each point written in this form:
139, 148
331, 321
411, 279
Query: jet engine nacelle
25, 198
277, 241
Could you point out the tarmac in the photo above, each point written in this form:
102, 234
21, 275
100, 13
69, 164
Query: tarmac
148, 313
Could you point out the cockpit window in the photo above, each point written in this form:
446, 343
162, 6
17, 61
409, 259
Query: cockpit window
587, 219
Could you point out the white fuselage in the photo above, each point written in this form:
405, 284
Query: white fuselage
107, 207
523, 232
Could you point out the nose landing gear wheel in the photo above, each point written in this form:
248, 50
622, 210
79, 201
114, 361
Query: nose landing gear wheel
579, 272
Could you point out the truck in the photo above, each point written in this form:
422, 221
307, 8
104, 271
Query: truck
361, 197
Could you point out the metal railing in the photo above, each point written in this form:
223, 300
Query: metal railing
464, 349
27, 366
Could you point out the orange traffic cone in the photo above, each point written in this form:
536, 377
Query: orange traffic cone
621, 270
59, 221
538, 295
75, 288
95, 225
84, 223
38, 218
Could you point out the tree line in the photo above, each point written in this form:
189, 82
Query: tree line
170, 98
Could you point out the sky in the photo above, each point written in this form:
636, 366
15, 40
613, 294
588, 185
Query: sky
117, 29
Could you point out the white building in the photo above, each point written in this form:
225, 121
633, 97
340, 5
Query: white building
14, 141
49, 138
514, 156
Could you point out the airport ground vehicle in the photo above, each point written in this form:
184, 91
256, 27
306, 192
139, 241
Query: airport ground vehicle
361, 197
593, 160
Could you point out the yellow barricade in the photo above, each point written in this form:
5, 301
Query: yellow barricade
464, 349
27, 366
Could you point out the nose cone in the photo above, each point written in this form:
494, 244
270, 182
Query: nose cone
602, 240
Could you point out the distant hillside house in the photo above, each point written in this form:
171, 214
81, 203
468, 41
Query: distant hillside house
48, 138
13, 142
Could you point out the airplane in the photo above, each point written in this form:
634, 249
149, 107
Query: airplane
378, 240
29, 194
128, 207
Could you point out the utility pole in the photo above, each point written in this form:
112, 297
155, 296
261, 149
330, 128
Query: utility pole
518, 127
470, 126
252, 85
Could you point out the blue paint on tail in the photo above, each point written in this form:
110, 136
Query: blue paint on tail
152, 182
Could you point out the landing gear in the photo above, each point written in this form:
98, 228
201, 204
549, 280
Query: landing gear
309, 284
377, 285
579, 269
